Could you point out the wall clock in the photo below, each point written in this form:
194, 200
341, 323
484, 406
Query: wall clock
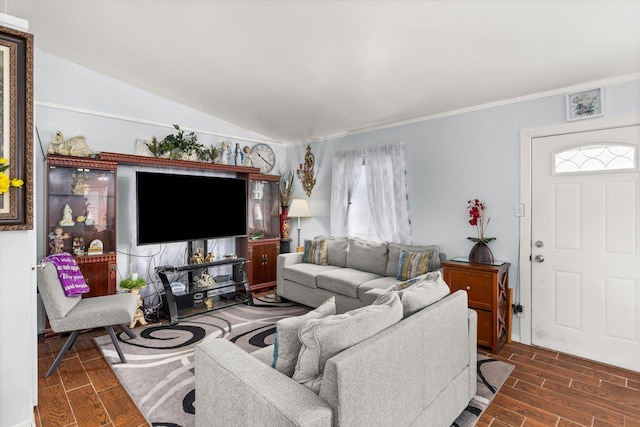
263, 157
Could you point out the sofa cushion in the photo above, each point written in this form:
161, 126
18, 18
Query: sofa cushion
418, 294
394, 257
336, 249
287, 345
315, 252
306, 274
412, 264
381, 283
323, 338
344, 281
368, 256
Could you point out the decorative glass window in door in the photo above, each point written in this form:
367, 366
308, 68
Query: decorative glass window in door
591, 158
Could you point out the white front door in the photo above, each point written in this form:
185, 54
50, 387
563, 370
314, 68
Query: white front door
585, 237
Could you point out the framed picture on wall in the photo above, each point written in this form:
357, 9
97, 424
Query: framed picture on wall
585, 104
16, 129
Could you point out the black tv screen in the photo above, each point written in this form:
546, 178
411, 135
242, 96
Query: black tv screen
182, 208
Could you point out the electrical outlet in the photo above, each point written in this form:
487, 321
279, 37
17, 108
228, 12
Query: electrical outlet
518, 309
519, 210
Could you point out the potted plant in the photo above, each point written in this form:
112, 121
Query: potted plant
176, 146
133, 283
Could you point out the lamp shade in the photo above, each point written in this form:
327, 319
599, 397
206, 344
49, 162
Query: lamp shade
299, 209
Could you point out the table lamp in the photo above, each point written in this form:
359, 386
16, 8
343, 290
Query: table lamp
299, 208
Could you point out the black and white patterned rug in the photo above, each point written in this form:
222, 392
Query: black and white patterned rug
159, 374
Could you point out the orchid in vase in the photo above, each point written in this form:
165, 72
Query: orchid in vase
477, 218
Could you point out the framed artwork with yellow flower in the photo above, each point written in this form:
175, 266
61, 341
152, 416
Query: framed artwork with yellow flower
16, 130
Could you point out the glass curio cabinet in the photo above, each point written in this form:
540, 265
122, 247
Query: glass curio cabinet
81, 217
264, 230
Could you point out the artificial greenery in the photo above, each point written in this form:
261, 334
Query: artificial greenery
130, 283
177, 146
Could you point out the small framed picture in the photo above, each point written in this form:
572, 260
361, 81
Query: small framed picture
585, 104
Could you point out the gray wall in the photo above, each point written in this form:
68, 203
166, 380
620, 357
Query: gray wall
455, 158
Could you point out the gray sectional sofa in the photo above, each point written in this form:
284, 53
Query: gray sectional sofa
420, 371
353, 267
377, 351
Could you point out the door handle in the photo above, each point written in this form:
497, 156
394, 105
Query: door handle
539, 258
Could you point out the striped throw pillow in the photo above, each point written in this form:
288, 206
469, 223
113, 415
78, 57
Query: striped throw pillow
412, 264
315, 252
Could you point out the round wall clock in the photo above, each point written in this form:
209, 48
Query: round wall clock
263, 157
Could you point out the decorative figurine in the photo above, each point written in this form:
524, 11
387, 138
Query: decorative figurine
67, 216
225, 151
75, 146
78, 246
89, 219
197, 257
205, 280
80, 184
258, 190
209, 257
247, 156
57, 240
238, 155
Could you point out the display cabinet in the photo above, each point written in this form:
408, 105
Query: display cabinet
264, 230
81, 217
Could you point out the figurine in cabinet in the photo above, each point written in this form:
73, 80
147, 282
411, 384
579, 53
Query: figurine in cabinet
67, 216
57, 240
80, 184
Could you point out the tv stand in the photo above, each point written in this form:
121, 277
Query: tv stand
194, 300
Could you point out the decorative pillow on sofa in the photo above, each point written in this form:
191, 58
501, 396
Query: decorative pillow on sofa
315, 252
287, 345
418, 294
336, 249
412, 264
324, 338
394, 256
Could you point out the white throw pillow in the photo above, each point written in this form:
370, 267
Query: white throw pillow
324, 338
287, 345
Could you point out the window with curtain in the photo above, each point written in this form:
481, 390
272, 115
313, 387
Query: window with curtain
383, 174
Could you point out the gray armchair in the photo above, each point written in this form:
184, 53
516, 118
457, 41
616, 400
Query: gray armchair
75, 314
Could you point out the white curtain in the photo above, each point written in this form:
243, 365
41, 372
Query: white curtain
387, 190
346, 170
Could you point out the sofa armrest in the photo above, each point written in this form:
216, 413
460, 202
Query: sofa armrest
284, 260
234, 388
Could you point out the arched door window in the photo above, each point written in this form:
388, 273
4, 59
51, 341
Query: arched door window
598, 157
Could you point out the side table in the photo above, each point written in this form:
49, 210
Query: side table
487, 286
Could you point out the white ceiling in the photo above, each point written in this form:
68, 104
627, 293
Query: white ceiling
303, 70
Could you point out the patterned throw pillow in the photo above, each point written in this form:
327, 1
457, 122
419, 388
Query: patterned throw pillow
412, 264
315, 252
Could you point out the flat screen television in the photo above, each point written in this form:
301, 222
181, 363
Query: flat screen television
182, 208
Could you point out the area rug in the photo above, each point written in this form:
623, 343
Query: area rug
159, 373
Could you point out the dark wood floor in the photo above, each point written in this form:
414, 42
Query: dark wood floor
544, 389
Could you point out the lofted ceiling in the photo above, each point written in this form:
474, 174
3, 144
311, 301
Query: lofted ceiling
305, 70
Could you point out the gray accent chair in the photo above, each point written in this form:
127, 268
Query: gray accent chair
75, 314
